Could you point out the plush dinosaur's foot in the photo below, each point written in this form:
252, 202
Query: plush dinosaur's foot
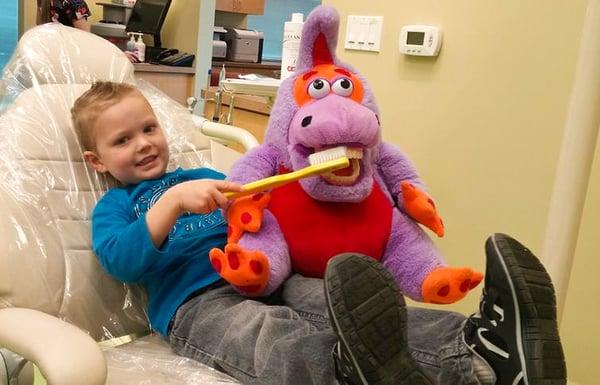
449, 284
247, 271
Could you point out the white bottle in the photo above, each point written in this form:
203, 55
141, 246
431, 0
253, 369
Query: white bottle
130, 46
292, 31
140, 48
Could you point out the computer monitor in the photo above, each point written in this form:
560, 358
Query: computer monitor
148, 17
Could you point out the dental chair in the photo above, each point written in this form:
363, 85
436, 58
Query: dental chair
58, 309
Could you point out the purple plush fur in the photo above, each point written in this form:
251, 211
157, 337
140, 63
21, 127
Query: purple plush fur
410, 254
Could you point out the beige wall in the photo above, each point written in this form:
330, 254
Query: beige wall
483, 123
181, 25
29, 7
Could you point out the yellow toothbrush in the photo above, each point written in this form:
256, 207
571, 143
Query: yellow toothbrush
278, 180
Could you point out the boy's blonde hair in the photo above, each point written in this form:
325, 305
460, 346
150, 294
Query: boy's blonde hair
92, 103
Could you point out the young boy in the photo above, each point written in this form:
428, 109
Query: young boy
156, 229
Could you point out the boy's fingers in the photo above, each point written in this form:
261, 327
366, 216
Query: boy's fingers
220, 199
211, 206
224, 204
224, 185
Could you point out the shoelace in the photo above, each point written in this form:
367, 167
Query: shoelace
343, 368
490, 307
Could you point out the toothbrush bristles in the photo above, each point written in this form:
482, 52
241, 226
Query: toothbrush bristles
327, 155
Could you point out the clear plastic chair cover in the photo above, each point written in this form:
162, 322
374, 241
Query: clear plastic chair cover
47, 194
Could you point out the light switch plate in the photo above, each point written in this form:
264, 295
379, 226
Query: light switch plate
364, 33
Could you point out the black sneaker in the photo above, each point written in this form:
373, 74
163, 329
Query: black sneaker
515, 331
368, 315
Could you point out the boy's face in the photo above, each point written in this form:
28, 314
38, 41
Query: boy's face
130, 144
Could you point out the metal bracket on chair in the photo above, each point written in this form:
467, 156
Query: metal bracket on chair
14, 369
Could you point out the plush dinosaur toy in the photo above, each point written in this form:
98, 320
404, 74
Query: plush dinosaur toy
371, 207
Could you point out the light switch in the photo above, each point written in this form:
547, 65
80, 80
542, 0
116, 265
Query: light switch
374, 35
352, 33
364, 33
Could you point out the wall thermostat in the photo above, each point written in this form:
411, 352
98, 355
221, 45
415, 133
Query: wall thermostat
420, 40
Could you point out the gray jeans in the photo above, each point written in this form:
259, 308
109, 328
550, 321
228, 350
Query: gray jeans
286, 339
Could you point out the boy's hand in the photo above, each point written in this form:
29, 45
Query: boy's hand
202, 196
195, 196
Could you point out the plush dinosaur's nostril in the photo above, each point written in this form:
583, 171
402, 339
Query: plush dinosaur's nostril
306, 121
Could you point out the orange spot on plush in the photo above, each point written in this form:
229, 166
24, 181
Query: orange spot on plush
256, 267
234, 260
216, 264
465, 286
443, 292
475, 282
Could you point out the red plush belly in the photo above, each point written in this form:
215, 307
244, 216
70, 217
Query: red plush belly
316, 231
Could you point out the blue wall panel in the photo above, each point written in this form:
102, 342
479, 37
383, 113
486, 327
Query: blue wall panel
9, 29
271, 23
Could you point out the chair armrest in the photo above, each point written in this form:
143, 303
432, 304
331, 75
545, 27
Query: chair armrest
64, 353
227, 132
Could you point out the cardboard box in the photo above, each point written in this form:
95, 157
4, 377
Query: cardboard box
252, 7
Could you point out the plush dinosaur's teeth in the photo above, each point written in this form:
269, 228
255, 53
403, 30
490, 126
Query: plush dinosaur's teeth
322, 156
347, 180
354, 153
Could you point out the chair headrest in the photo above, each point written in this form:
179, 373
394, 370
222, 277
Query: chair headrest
56, 54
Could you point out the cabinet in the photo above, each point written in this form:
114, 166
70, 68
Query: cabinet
251, 7
176, 82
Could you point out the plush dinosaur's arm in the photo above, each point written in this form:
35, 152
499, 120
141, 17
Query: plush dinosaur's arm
260, 162
395, 167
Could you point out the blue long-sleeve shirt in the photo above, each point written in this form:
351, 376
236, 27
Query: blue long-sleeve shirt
122, 242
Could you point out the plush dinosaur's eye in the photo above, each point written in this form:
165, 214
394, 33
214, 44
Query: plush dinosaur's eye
319, 88
343, 87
